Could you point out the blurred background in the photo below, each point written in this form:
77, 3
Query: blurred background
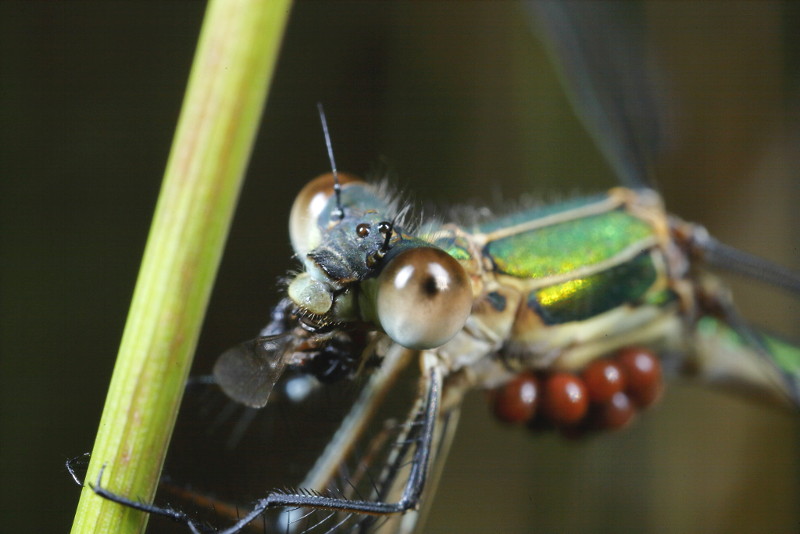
458, 101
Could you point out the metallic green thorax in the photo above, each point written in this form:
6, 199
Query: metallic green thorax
585, 297
563, 247
580, 259
558, 286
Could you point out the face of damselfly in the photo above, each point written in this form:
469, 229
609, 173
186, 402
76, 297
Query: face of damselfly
505, 131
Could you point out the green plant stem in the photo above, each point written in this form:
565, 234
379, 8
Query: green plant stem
235, 59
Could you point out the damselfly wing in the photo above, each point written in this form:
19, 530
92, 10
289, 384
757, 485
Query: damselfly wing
500, 520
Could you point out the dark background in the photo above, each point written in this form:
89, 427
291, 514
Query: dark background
459, 102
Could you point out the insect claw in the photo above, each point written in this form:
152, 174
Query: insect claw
71, 470
97, 486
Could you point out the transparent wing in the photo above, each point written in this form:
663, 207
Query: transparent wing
600, 52
247, 373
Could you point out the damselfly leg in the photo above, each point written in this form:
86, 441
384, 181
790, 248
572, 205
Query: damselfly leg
421, 436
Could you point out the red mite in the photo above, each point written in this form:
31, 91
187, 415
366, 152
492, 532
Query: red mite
566, 399
605, 396
604, 379
516, 402
643, 374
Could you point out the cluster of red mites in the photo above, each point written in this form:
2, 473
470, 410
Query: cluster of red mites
605, 396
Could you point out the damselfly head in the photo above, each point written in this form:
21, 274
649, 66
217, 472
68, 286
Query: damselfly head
361, 267
338, 238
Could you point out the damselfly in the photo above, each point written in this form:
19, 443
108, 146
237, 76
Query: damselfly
388, 219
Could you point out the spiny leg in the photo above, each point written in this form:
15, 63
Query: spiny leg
411, 493
137, 505
169, 513
414, 484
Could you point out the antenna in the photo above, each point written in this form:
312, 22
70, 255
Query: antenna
386, 228
337, 187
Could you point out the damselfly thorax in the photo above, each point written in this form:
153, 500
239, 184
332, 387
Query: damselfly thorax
556, 286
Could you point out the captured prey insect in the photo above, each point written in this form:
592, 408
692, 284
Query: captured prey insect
549, 290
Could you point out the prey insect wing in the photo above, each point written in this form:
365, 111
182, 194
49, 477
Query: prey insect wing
248, 372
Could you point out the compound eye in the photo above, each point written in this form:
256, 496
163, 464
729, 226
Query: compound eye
424, 298
307, 208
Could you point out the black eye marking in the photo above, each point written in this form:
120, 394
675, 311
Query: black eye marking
384, 227
362, 230
429, 287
